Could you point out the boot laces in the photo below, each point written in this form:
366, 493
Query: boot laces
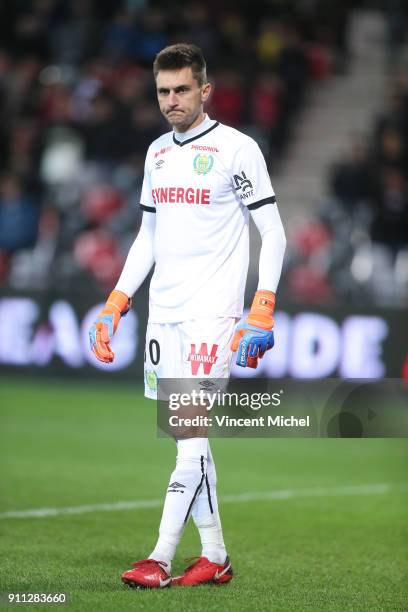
144, 562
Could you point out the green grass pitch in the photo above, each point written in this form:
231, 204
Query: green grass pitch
67, 444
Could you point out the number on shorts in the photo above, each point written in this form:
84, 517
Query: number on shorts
154, 351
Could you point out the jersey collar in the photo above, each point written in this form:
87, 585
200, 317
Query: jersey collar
200, 130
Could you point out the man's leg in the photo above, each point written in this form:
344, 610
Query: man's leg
163, 360
186, 482
206, 516
185, 485
213, 567
190, 475
208, 342
163, 355
213, 334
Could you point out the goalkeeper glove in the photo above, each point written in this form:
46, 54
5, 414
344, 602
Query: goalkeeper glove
106, 323
253, 335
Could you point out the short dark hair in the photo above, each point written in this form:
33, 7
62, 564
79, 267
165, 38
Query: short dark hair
182, 55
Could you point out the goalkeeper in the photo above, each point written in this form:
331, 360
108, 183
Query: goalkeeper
202, 182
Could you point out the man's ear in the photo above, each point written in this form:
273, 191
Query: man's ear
205, 92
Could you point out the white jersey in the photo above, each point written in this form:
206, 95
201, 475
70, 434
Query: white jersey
201, 185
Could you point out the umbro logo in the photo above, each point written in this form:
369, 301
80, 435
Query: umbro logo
206, 384
176, 485
159, 163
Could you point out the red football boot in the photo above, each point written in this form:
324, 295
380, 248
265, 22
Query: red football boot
147, 574
204, 571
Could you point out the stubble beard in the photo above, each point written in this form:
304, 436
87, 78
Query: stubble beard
184, 122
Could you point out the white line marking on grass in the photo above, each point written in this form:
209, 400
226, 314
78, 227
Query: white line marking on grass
44, 512
236, 498
368, 489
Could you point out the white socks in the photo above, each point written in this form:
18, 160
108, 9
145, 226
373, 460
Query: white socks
184, 487
206, 517
191, 490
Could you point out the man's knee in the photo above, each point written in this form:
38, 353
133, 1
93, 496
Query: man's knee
190, 423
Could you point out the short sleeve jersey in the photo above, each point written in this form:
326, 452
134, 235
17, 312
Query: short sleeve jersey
201, 189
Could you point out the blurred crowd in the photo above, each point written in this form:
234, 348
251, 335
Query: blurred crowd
356, 249
78, 111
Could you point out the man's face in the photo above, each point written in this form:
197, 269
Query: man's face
180, 98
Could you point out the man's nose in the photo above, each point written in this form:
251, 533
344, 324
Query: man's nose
173, 98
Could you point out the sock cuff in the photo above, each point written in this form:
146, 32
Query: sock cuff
193, 449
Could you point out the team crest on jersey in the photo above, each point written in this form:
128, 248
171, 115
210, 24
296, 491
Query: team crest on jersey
151, 380
203, 163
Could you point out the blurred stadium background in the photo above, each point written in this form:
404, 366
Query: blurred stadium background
324, 92
323, 87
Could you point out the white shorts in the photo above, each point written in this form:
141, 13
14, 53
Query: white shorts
195, 348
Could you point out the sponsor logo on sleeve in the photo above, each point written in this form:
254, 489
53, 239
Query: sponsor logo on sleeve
243, 185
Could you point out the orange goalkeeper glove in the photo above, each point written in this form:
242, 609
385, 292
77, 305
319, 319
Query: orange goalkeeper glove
254, 336
118, 305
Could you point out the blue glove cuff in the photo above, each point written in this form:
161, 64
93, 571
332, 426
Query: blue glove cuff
254, 343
